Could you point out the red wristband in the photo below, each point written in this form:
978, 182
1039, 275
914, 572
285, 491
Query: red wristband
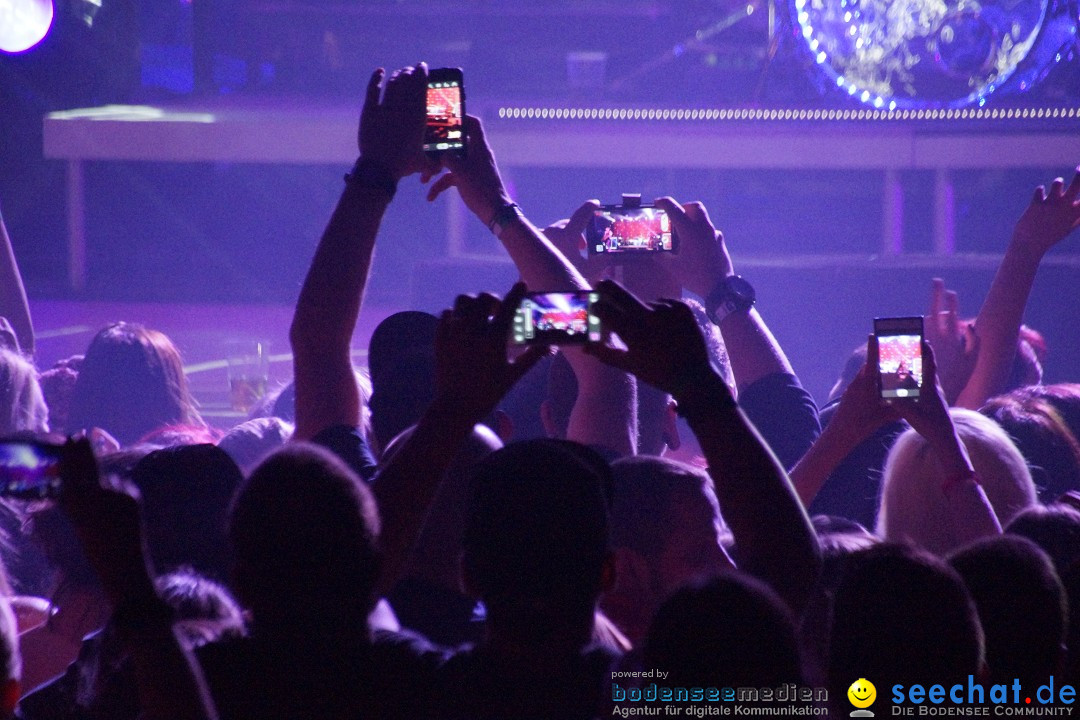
958, 479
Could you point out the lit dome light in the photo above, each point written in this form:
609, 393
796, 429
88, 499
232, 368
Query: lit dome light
24, 23
932, 53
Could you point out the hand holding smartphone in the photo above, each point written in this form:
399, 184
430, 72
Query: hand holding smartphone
445, 132
556, 318
899, 360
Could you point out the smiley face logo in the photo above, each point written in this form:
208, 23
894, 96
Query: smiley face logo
862, 693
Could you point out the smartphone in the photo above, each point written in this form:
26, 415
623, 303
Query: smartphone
557, 318
445, 130
29, 470
900, 360
629, 230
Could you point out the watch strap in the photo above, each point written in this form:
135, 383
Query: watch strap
725, 300
504, 216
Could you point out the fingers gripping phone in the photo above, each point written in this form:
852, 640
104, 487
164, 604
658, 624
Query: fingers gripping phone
900, 359
630, 229
556, 318
445, 129
29, 470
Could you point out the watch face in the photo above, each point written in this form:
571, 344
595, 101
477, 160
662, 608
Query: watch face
740, 291
731, 294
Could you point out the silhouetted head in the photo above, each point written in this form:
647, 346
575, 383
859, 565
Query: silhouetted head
727, 631
186, 491
913, 507
902, 614
130, 383
401, 359
1038, 420
839, 539
1021, 604
665, 531
536, 538
304, 530
854, 363
22, 405
1054, 528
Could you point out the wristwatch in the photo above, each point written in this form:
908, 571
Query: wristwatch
730, 294
504, 216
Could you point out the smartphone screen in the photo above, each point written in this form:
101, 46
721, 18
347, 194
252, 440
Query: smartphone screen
618, 229
556, 319
445, 112
29, 470
900, 362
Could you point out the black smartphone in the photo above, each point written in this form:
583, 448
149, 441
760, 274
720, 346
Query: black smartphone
29, 470
445, 131
629, 230
557, 318
900, 359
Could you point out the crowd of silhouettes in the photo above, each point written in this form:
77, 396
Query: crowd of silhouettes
467, 530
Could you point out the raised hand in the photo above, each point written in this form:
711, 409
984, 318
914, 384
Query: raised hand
702, 258
956, 346
1051, 216
568, 237
476, 176
930, 414
664, 346
472, 370
107, 521
392, 128
861, 411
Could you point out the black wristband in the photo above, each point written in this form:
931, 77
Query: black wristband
503, 217
369, 173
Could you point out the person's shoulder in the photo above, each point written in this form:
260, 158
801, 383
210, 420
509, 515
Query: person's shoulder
350, 445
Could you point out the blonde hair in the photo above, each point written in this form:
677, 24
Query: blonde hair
22, 405
912, 506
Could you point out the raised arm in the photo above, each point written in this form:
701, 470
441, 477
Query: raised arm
971, 512
472, 373
858, 416
108, 522
773, 536
769, 392
603, 414
956, 346
13, 303
1049, 218
390, 142
703, 262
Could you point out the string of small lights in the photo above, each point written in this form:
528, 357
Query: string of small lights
532, 112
